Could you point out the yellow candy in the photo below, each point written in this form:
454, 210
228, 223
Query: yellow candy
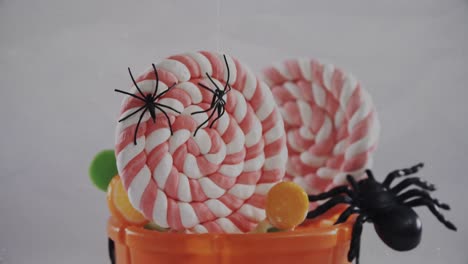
120, 206
287, 205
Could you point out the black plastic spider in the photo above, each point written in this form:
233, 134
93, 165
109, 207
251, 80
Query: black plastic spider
217, 103
396, 223
150, 103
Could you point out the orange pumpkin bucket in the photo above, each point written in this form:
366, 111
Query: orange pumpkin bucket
317, 241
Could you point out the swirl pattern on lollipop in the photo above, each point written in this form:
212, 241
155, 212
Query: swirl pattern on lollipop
330, 121
216, 180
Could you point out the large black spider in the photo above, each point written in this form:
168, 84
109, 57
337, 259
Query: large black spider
149, 103
217, 103
396, 223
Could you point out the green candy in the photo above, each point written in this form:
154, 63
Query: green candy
273, 230
155, 227
103, 168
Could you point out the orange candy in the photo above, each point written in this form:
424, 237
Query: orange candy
120, 206
287, 205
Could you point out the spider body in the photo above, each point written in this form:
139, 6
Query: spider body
218, 103
399, 227
150, 103
388, 208
373, 197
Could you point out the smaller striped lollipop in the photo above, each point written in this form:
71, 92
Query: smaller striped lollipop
330, 121
204, 154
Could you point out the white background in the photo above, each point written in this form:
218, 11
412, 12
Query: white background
60, 61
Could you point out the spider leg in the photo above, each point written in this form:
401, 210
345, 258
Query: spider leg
331, 193
353, 183
157, 81
346, 214
202, 111
166, 106
206, 88
415, 193
400, 173
431, 205
206, 121
412, 181
138, 125
355, 246
163, 93
134, 82
131, 114
370, 175
132, 95
321, 209
211, 79
220, 114
167, 117
228, 73
213, 101
111, 247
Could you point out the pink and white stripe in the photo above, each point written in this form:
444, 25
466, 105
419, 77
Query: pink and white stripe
330, 121
217, 180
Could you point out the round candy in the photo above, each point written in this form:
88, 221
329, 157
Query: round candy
120, 206
103, 168
330, 121
287, 205
209, 168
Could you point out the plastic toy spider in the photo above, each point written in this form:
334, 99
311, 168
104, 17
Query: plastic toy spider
390, 209
217, 103
150, 103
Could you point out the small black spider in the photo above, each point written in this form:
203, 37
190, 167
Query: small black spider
150, 103
396, 223
217, 103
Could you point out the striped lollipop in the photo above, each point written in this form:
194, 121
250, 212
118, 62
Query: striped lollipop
206, 169
330, 121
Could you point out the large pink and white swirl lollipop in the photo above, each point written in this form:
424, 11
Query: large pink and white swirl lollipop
206, 156
330, 121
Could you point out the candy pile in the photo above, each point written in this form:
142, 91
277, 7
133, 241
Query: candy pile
286, 203
201, 145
